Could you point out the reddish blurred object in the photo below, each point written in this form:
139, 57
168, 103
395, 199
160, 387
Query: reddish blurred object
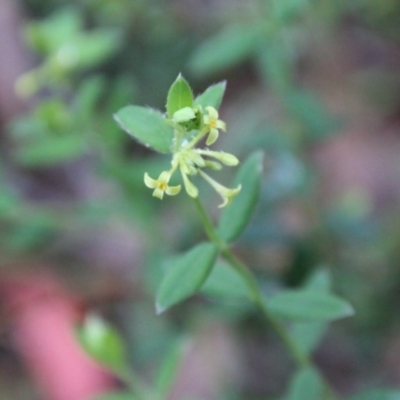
43, 317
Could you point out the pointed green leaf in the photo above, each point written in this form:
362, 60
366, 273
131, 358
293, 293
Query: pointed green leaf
180, 95
102, 342
307, 335
212, 96
309, 305
186, 276
226, 49
51, 150
236, 216
147, 126
169, 368
91, 48
306, 385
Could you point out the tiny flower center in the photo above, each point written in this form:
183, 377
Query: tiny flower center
162, 186
213, 123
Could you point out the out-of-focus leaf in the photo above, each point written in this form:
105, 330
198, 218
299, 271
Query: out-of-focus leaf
226, 283
147, 126
186, 276
88, 94
306, 385
307, 335
286, 11
102, 342
378, 394
49, 35
226, 49
88, 49
212, 96
51, 150
236, 216
309, 305
310, 112
169, 368
180, 95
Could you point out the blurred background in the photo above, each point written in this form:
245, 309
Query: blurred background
315, 84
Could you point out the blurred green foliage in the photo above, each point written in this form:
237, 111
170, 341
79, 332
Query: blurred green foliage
96, 56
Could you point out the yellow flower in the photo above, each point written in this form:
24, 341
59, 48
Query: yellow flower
160, 185
226, 193
212, 122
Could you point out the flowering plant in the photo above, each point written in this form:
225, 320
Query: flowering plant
191, 121
188, 123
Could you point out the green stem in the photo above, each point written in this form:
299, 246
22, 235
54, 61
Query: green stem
135, 385
300, 357
251, 282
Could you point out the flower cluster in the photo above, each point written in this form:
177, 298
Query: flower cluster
191, 125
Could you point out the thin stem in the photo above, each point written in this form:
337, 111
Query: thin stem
197, 138
301, 358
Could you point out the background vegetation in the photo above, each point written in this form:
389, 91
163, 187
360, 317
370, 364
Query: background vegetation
314, 84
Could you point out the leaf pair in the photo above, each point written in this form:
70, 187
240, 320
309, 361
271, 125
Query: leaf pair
149, 127
191, 270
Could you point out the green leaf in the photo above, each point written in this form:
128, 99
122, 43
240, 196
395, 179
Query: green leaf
180, 95
307, 335
226, 49
236, 216
186, 276
306, 385
50, 34
169, 368
309, 305
378, 394
88, 95
115, 396
212, 96
51, 150
92, 48
147, 126
226, 283
102, 342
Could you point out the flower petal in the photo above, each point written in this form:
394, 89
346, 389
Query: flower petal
221, 125
212, 137
149, 182
159, 193
173, 190
223, 191
191, 190
212, 112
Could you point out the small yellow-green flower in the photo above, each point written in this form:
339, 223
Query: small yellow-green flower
160, 185
212, 122
226, 193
